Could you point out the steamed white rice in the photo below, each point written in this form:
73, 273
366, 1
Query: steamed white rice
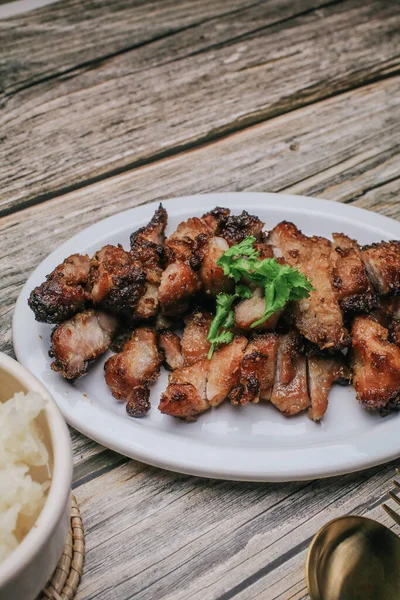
21, 450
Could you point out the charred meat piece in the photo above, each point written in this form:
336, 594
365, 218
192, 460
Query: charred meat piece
352, 287
148, 304
138, 404
147, 246
394, 332
154, 231
224, 370
117, 280
195, 345
290, 392
250, 310
212, 276
257, 371
80, 340
323, 371
134, 368
179, 283
190, 229
63, 294
215, 217
185, 396
375, 363
147, 249
170, 344
235, 228
182, 245
382, 262
318, 318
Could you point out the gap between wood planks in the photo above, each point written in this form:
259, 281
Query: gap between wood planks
101, 60
214, 136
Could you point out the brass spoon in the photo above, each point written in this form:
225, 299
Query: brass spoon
354, 558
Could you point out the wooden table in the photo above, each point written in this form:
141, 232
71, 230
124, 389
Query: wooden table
107, 105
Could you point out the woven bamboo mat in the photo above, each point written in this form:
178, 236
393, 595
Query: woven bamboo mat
64, 583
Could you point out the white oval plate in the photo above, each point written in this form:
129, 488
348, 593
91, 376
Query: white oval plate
255, 442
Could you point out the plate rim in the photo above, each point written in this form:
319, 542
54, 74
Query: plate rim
228, 464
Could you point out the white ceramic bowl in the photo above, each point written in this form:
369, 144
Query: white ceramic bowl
25, 572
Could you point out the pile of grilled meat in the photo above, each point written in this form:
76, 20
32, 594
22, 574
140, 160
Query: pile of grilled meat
135, 301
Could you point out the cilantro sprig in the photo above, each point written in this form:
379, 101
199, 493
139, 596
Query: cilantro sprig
223, 321
281, 284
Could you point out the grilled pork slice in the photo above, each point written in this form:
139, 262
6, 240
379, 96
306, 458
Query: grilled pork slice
235, 228
117, 280
290, 392
195, 345
148, 304
257, 370
215, 217
375, 363
178, 285
63, 294
350, 281
250, 310
382, 262
80, 340
148, 250
322, 373
185, 396
224, 370
212, 276
147, 246
133, 369
170, 344
318, 317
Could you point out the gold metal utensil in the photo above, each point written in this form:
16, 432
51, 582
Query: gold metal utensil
354, 558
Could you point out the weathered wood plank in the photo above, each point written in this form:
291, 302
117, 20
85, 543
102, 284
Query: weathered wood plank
157, 99
304, 146
71, 35
183, 537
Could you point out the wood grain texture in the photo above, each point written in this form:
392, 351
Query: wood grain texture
153, 534
157, 99
71, 34
307, 151
189, 97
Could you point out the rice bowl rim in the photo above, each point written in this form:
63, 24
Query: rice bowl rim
60, 483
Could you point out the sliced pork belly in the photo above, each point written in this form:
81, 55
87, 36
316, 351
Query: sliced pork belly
185, 396
350, 281
179, 283
318, 318
117, 280
212, 276
134, 368
64, 293
195, 345
80, 340
290, 391
224, 370
323, 371
170, 344
375, 363
257, 370
382, 262
250, 310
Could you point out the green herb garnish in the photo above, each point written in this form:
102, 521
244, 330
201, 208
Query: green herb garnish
281, 284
